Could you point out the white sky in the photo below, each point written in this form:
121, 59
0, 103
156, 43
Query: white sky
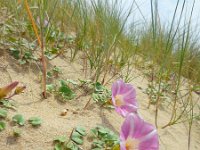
166, 9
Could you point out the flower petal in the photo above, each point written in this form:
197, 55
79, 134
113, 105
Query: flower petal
130, 96
7, 89
123, 146
126, 109
116, 87
128, 126
150, 141
126, 88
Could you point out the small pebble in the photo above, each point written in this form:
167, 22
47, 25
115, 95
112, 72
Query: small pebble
64, 112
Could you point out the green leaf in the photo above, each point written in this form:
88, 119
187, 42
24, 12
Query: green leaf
94, 132
3, 113
77, 138
19, 119
98, 87
27, 55
2, 125
103, 130
22, 62
103, 137
81, 131
35, 121
15, 53
50, 87
60, 139
54, 50
102, 95
98, 144
71, 146
65, 91
58, 146
49, 74
57, 70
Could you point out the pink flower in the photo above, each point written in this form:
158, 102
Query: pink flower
136, 134
45, 22
4, 91
124, 98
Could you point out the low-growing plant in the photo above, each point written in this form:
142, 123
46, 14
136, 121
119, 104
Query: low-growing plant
63, 89
54, 72
20, 120
103, 138
22, 51
102, 95
153, 92
72, 143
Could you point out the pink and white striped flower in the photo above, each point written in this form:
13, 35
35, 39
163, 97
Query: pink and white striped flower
136, 134
124, 98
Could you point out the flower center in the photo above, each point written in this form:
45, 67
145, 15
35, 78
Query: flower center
131, 144
119, 100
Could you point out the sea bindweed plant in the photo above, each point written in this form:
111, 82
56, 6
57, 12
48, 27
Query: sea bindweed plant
135, 132
124, 98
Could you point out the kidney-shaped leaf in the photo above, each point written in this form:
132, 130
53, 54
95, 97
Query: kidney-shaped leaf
3, 113
35, 121
2, 125
19, 119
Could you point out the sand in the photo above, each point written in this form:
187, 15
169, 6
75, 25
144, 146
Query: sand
31, 104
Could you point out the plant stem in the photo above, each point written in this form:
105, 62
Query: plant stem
41, 43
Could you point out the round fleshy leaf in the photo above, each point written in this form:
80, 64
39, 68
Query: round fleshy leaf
3, 113
35, 121
19, 119
60, 139
77, 138
81, 130
2, 125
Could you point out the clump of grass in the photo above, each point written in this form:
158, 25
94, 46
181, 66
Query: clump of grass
101, 38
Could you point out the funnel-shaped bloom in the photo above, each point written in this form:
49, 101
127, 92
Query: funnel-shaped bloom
4, 91
124, 98
136, 134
